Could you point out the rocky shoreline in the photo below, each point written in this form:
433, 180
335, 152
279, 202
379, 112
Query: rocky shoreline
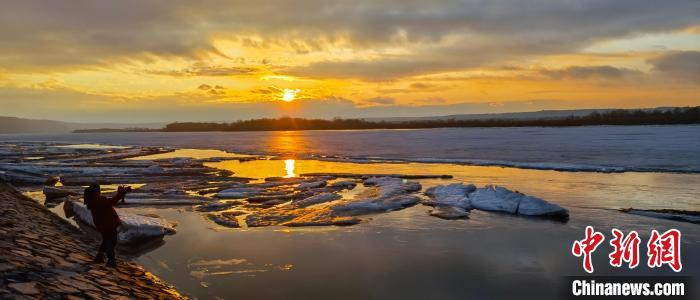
44, 257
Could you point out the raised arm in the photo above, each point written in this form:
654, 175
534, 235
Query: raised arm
113, 201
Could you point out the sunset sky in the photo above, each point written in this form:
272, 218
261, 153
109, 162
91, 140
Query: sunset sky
142, 61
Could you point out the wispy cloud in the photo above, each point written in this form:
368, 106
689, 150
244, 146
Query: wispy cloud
208, 71
681, 65
583, 72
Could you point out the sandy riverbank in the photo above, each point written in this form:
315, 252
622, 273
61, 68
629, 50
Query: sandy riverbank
42, 256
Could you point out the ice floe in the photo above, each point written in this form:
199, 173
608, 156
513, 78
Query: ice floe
239, 192
668, 214
308, 200
134, 227
390, 193
56, 192
455, 194
163, 200
316, 199
376, 205
322, 206
20, 177
311, 185
223, 221
490, 198
449, 212
391, 186
343, 184
154, 169
497, 198
218, 206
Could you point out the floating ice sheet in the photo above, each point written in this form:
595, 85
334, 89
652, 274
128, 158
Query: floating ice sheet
134, 227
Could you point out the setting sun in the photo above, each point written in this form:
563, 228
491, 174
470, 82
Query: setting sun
289, 95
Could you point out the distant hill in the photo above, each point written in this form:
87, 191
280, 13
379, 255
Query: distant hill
79, 126
20, 125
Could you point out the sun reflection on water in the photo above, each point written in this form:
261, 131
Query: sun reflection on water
289, 168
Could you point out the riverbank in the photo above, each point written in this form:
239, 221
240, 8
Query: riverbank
43, 256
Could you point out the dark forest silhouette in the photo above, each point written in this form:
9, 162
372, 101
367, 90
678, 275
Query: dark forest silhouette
689, 115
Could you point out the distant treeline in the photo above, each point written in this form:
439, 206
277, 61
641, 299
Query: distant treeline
690, 115
687, 115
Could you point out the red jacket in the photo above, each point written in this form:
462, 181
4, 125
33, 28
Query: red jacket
104, 216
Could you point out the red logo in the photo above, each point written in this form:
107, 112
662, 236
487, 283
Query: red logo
587, 246
626, 249
665, 249
662, 249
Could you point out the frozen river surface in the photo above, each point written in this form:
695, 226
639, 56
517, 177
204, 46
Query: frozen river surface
408, 254
591, 148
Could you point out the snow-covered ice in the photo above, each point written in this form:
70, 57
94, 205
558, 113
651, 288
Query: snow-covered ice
56, 192
316, 199
392, 186
218, 206
375, 205
224, 221
154, 169
449, 212
455, 194
344, 184
164, 200
311, 185
489, 198
385, 194
497, 198
134, 227
239, 192
671, 148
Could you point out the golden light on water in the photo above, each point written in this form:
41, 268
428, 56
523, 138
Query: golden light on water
289, 95
289, 168
286, 143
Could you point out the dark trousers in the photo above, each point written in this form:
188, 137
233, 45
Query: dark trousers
109, 241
